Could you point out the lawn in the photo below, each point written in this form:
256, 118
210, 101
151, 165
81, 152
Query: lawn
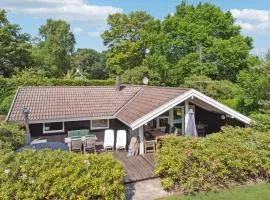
254, 192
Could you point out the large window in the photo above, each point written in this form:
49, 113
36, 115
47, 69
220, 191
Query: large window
163, 122
99, 124
53, 127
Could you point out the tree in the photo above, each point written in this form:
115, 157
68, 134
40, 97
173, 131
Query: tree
169, 47
255, 88
125, 40
224, 50
91, 63
14, 47
267, 55
55, 47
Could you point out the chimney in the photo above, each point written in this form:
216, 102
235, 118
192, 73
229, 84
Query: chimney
118, 83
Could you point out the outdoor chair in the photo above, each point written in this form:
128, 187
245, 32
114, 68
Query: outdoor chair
121, 139
76, 145
109, 139
149, 146
90, 145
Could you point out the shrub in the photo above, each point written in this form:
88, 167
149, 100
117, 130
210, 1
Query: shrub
6, 103
50, 174
233, 156
11, 136
261, 121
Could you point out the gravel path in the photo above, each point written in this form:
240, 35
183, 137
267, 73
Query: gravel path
148, 189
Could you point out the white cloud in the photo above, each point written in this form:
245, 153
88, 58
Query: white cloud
252, 20
77, 30
71, 10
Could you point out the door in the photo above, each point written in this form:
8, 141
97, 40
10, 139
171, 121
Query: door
178, 119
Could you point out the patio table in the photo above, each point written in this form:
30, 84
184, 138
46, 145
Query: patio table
158, 135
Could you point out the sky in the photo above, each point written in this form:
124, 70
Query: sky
88, 17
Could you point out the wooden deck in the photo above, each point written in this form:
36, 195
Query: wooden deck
137, 168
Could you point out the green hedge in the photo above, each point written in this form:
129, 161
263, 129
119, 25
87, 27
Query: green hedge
233, 156
59, 175
11, 136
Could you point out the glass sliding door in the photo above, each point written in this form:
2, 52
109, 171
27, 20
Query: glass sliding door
178, 119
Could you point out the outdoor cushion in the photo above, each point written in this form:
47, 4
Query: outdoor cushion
84, 132
73, 133
109, 139
121, 139
92, 136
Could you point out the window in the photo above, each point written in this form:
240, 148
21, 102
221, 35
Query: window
53, 127
163, 122
99, 124
178, 117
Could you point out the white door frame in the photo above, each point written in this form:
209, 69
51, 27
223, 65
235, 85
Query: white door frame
141, 136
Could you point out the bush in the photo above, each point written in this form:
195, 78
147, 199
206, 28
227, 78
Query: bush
233, 156
11, 136
50, 174
261, 121
6, 103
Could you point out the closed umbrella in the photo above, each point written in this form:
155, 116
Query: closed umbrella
190, 128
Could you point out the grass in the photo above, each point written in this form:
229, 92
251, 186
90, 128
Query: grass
253, 192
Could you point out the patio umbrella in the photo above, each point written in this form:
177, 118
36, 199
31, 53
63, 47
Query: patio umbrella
190, 128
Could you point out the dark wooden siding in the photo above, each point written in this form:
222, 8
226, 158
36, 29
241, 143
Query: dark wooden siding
36, 130
213, 120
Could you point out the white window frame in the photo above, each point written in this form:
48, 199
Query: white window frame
162, 117
98, 128
183, 118
53, 131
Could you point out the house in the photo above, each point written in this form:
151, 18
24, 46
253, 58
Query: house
139, 110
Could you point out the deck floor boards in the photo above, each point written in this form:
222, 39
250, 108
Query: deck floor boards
137, 167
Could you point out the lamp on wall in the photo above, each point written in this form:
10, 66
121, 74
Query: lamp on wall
145, 80
222, 117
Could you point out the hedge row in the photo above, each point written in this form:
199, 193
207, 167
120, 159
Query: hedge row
233, 156
59, 175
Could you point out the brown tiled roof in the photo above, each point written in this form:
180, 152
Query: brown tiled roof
58, 103
146, 100
51, 103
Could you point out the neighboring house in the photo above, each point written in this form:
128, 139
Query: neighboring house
56, 110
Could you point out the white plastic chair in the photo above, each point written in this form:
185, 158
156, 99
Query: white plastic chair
121, 139
109, 139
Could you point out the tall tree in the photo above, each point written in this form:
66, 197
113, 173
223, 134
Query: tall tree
91, 63
55, 47
172, 44
14, 47
224, 51
125, 40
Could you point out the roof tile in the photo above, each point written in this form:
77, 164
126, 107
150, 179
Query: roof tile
58, 103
